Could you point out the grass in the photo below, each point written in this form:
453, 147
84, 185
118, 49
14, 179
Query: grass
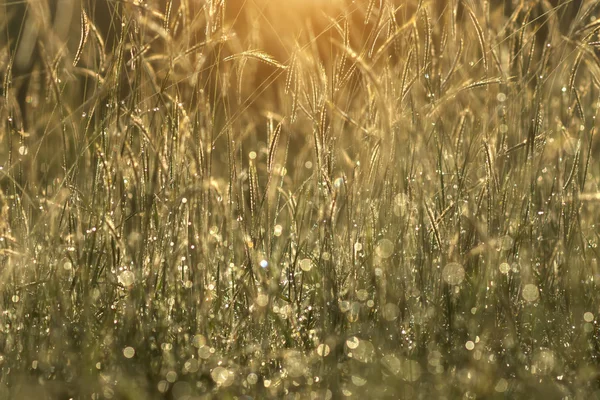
213, 199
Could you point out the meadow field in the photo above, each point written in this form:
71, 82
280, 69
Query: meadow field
299, 199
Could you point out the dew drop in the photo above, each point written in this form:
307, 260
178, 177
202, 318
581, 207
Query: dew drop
352, 342
277, 230
126, 278
385, 248
198, 341
453, 273
323, 350
530, 292
192, 365
504, 268
204, 352
364, 351
305, 265
162, 386
171, 376
252, 378
262, 300
128, 352
358, 381
362, 294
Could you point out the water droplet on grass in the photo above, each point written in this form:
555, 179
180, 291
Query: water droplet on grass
198, 341
305, 265
262, 300
323, 350
530, 293
126, 278
453, 273
344, 305
252, 378
360, 350
362, 294
222, 376
385, 248
171, 376
192, 365
358, 381
204, 352
352, 342
162, 386
129, 352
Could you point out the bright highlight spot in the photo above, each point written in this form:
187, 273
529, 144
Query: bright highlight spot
305, 265
453, 273
385, 248
530, 293
126, 278
128, 352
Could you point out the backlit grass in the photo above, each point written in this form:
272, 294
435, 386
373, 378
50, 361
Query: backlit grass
323, 199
